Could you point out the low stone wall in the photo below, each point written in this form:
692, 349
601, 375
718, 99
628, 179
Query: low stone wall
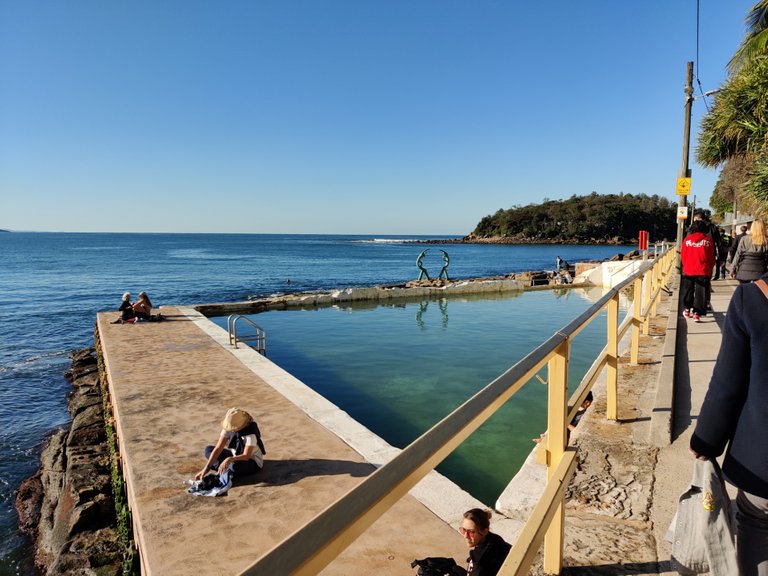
416, 289
67, 507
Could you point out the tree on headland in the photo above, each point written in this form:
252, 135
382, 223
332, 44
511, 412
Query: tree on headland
734, 133
594, 218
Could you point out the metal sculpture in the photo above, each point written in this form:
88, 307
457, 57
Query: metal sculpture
423, 271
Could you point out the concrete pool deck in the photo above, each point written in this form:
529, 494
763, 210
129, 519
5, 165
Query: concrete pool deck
170, 384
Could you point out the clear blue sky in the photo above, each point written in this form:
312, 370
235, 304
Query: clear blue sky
354, 116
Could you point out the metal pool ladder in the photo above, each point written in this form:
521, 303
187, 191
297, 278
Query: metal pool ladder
257, 340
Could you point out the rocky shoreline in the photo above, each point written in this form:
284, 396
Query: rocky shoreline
472, 239
67, 508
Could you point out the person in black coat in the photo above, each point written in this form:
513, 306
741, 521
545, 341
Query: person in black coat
735, 412
487, 551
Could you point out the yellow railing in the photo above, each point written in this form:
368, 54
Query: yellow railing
311, 548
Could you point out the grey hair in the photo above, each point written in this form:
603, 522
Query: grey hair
126, 296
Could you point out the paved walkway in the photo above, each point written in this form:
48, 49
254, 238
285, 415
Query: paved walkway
697, 352
171, 384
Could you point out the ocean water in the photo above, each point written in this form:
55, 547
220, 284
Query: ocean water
53, 284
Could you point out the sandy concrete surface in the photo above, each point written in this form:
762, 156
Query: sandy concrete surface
171, 384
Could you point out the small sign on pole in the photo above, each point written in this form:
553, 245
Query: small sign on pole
642, 240
683, 186
682, 212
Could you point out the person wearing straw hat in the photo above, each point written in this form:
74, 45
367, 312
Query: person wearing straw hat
239, 448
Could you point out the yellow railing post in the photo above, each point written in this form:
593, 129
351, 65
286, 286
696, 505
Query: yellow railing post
557, 410
656, 270
612, 362
647, 301
636, 312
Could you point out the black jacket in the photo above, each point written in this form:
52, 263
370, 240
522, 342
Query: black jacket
735, 409
488, 556
237, 443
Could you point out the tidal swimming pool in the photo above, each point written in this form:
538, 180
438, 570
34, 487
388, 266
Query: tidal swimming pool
399, 367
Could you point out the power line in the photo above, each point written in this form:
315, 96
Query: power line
698, 80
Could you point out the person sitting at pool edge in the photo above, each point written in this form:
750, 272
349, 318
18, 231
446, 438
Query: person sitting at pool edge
239, 447
588, 399
487, 551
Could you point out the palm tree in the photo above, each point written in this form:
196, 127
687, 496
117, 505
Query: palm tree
737, 124
736, 128
755, 42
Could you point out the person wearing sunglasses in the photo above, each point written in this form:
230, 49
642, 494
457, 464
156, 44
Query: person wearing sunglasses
487, 551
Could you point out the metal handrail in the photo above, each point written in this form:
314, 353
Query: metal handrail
260, 337
312, 547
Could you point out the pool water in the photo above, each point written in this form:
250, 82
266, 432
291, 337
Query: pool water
400, 367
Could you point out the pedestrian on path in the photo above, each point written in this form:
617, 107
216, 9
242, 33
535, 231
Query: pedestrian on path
698, 257
749, 262
735, 412
735, 242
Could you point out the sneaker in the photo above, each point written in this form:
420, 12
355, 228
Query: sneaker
696, 317
686, 313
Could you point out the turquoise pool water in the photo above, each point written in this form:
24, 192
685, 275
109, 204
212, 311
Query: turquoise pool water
399, 368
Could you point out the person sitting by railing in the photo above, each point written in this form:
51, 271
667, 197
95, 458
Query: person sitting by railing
487, 551
588, 399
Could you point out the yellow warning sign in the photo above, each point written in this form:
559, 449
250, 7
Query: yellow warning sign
683, 186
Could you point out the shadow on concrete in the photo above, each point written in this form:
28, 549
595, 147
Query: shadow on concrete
281, 472
618, 569
633, 420
682, 389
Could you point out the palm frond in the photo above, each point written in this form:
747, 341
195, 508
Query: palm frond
755, 42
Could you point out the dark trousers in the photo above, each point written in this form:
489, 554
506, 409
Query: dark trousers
696, 293
239, 467
720, 270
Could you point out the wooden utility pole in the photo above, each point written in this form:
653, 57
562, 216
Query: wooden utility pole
685, 172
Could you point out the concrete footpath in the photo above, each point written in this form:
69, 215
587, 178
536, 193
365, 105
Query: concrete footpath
695, 362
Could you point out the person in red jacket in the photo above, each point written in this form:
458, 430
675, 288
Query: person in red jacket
698, 257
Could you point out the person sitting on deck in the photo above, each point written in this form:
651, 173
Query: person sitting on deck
487, 551
142, 308
126, 310
239, 448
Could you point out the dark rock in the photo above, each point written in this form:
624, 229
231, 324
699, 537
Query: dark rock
29, 500
68, 506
